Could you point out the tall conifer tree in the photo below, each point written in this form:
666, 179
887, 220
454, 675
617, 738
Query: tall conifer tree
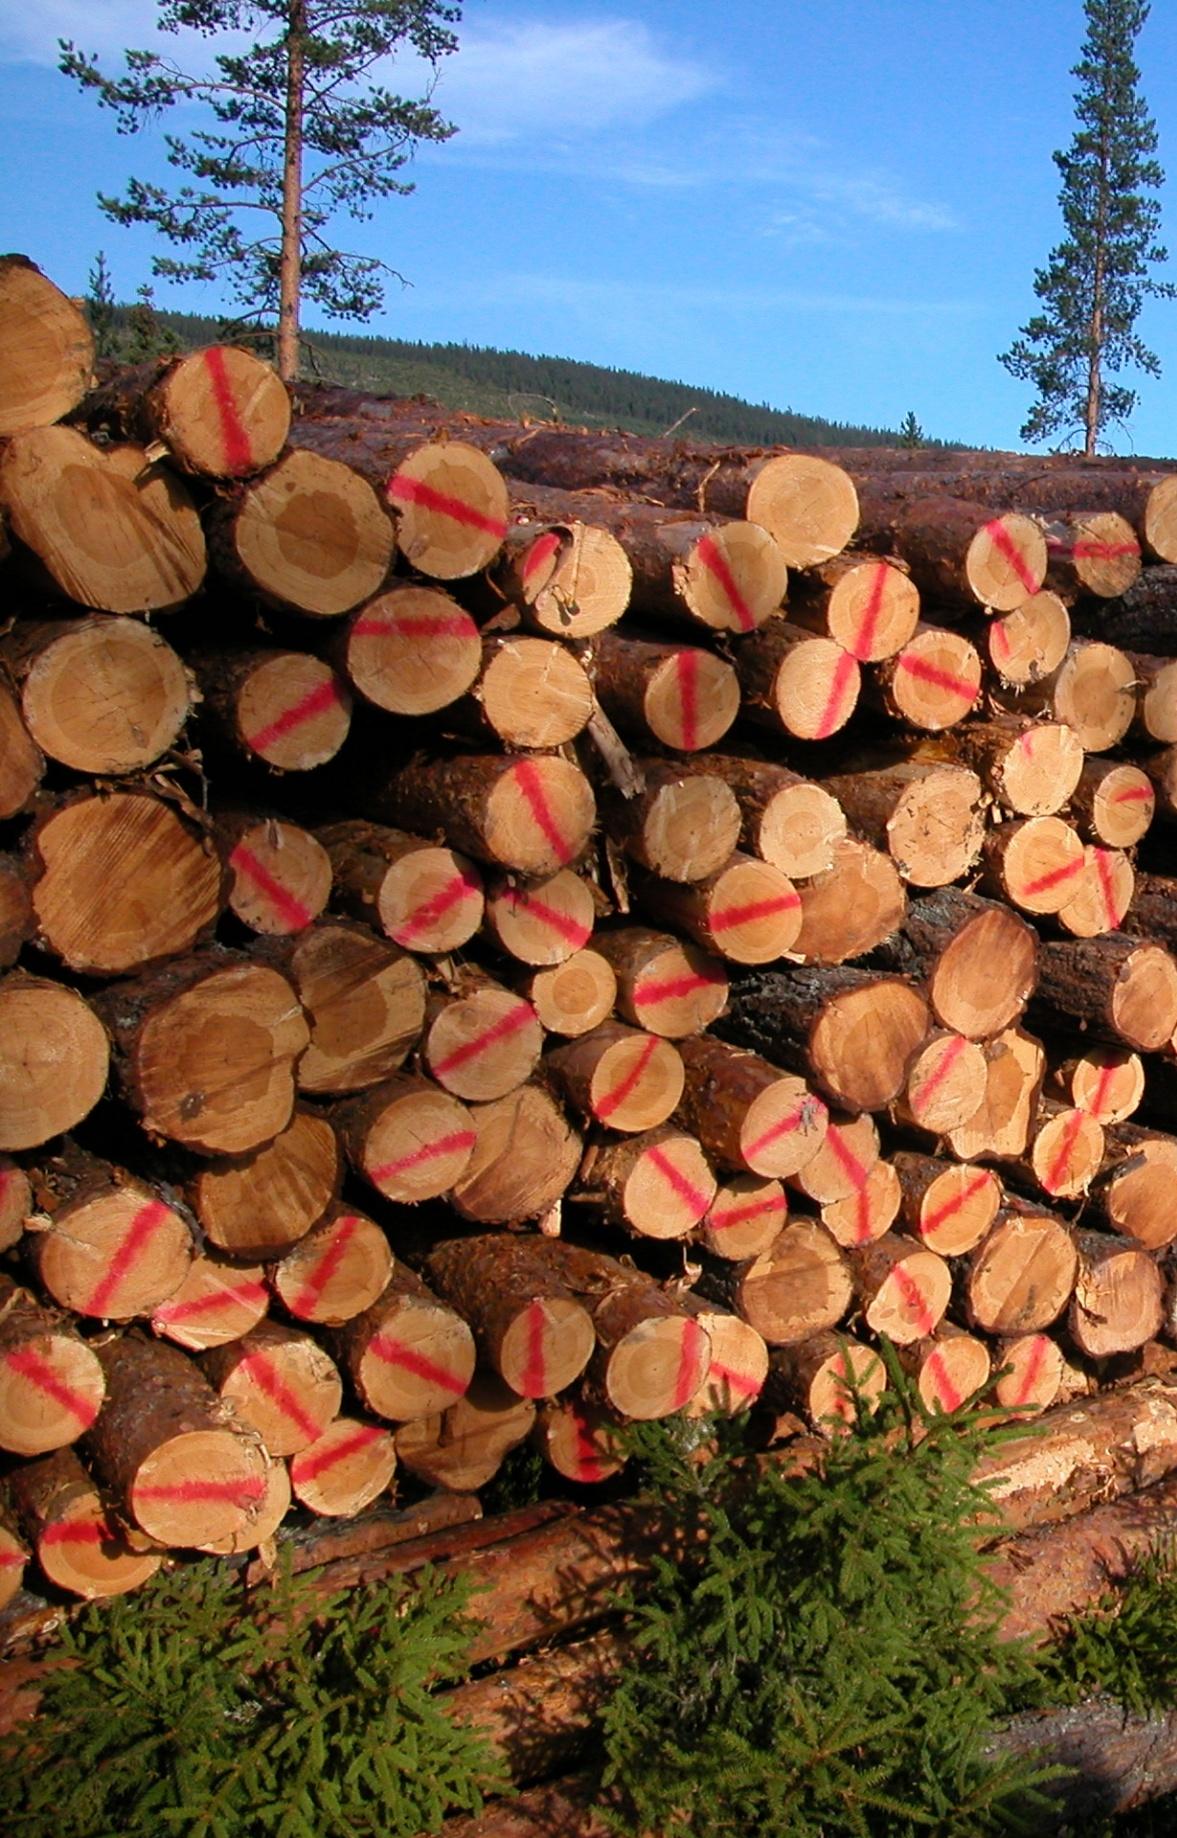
1097, 278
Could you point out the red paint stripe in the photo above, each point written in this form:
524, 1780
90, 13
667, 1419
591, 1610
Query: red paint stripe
924, 672
315, 702
535, 1374
874, 607
1004, 543
687, 1378
508, 1024
948, 1208
612, 1100
259, 1368
672, 988
845, 1157
240, 1492
303, 1469
737, 1382
737, 1215
862, 1218
947, 1061
686, 1190
686, 669
806, 1112
1058, 1166
573, 931
1034, 1366
13, 1560
458, 887
1107, 888
394, 1353
137, 1236
947, 1393
729, 916
1053, 877
999, 639
284, 902
401, 489
428, 1151
591, 1466
416, 625
1102, 1087
527, 776
1135, 794
831, 716
308, 1297
89, 1532
914, 1299
235, 442
1086, 550
28, 1364
245, 1293
541, 550
716, 563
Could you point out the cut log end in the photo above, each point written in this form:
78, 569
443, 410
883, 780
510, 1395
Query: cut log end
850, 907
350, 1465
107, 697
546, 1347
572, 581
1101, 895
1066, 1153
524, 1157
483, 1045
366, 1002
293, 712
574, 997
1030, 642
797, 1288
946, 1083
415, 1141
412, 651
744, 1218
863, 1041
198, 1485
534, 693
807, 504
1022, 1275
1122, 803
539, 815
452, 508
54, 1059
657, 1367
541, 922
1006, 562
734, 577
336, 1271
905, 1288
934, 681
260, 1205
217, 1302
48, 345
1035, 862
311, 535
222, 412
983, 977
281, 877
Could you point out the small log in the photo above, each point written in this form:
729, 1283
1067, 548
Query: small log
1013, 1086
786, 820
651, 1358
281, 874
867, 604
1108, 1082
1066, 1152
114, 532
949, 1367
13, 1558
452, 507
221, 412
658, 1184
111, 1247
749, 1115
664, 986
102, 695
423, 897
621, 1076
1156, 691
843, 1164
335, 1272
854, 1032
800, 1286
579, 1440
1093, 553
747, 911
310, 535
976, 958
287, 709
574, 997
1034, 863
217, 1302
482, 1042
569, 579
1123, 990
533, 815
946, 1083
1135, 1192
1093, 691
928, 818
411, 651
259, 1205
350, 1465
681, 825
48, 345
16, 1202
868, 1213
794, 680
525, 1157
54, 1058
408, 1353
526, 1321
1117, 1304
1030, 642
851, 907
407, 1137
278, 1381
676, 696
79, 1545
959, 555
1022, 1275
743, 1218
168, 1448
903, 1287
51, 1384
364, 999
932, 682
531, 693
541, 922
121, 880
1101, 895
207, 1049
1033, 1370
947, 1207
464, 1446
826, 1379
739, 1362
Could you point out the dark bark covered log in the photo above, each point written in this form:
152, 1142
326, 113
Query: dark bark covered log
977, 960
959, 553
532, 814
1123, 989
221, 413
528, 1324
1143, 618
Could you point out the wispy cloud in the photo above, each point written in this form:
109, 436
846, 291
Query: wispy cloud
603, 296
30, 33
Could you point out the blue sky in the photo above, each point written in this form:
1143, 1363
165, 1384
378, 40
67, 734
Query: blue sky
830, 205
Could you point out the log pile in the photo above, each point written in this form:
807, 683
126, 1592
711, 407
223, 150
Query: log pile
508, 930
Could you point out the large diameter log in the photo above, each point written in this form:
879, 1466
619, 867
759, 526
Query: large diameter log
651, 1358
977, 959
1096, 552
866, 603
257, 1206
948, 1207
620, 1076
929, 818
120, 881
808, 505
851, 906
335, 1272
169, 1449
798, 681
749, 1115
106, 1244
350, 1465
527, 1323
280, 1382
681, 825
656, 1185
310, 535
365, 1002
410, 651
531, 693
80, 1547
54, 1059
463, 1447
409, 1354
217, 1302
451, 504
1122, 989
932, 682
1022, 1275
958, 553
281, 874
676, 696
51, 1384
114, 532
102, 695
524, 1158
221, 413
533, 815
800, 1286
1117, 1304
425, 898
852, 1031
664, 986
207, 1050
287, 709
261, 1534
482, 1042
48, 348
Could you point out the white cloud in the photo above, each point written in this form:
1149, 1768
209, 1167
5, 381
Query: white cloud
30, 33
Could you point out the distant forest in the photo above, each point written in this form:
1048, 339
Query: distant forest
509, 385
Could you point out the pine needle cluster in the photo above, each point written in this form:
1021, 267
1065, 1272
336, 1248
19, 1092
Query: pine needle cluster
173, 1711
828, 1663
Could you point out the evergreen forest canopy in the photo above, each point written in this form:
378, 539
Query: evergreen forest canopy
510, 384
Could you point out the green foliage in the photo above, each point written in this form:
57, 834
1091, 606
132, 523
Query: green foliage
910, 432
101, 309
1125, 1645
183, 1714
828, 1663
1097, 279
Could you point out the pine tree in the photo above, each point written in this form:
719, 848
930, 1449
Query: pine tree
101, 310
300, 129
910, 432
1097, 279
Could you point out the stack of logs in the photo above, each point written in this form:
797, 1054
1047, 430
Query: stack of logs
510, 929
